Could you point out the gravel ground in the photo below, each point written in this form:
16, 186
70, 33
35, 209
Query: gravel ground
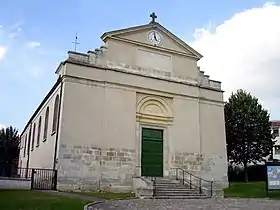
207, 204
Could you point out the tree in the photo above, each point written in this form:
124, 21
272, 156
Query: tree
248, 132
9, 149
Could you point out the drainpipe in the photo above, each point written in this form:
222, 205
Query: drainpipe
57, 125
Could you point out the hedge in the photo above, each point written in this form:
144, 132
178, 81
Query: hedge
255, 173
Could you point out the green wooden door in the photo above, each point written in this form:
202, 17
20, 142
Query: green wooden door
152, 152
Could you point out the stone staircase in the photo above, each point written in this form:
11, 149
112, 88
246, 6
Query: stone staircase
165, 188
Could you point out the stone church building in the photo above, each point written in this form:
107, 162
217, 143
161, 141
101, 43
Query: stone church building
138, 106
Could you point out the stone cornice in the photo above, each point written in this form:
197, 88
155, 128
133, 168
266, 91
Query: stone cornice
74, 79
138, 73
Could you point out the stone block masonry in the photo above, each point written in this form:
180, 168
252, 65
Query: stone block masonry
191, 162
85, 167
88, 168
210, 168
15, 183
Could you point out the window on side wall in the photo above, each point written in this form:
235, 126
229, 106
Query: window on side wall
39, 132
21, 142
55, 114
45, 134
29, 140
33, 137
25, 144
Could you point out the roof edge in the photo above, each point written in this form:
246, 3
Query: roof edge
123, 30
59, 66
106, 35
42, 103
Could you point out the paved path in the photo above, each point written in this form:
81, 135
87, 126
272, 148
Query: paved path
203, 204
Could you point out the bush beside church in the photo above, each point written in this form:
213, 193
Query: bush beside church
255, 173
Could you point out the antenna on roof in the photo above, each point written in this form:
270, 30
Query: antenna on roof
76, 42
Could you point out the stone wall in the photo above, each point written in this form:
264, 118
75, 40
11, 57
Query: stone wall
214, 168
210, 168
15, 183
190, 162
85, 167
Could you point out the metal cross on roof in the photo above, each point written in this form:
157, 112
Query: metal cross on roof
154, 17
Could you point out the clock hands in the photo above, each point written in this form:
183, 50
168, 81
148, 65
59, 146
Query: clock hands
155, 37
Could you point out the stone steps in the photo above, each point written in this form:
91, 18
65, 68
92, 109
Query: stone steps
183, 197
173, 192
178, 186
177, 194
173, 189
165, 182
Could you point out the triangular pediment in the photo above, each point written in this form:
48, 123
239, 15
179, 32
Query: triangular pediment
139, 34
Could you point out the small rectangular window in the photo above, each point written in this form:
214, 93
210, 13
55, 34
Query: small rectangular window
277, 150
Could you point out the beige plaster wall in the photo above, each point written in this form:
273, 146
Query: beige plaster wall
126, 80
125, 55
142, 36
96, 140
184, 133
213, 142
81, 118
41, 156
100, 116
180, 65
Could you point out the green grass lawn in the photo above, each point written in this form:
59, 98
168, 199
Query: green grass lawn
34, 200
107, 195
250, 190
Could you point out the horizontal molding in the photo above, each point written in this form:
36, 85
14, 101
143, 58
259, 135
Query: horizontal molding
131, 88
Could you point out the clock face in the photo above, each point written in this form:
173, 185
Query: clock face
155, 38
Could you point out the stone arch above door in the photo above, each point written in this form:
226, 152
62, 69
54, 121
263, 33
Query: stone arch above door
152, 109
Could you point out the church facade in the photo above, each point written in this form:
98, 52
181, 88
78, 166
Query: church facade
138, 106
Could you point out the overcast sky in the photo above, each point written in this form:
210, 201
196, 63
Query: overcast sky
240, 42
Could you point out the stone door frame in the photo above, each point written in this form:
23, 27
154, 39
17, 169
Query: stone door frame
166, 166
153, 112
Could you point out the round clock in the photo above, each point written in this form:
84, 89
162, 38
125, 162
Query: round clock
155, 38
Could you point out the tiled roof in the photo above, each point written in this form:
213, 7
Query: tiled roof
275, 123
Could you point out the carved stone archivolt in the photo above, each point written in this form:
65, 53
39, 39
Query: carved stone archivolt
154, 110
